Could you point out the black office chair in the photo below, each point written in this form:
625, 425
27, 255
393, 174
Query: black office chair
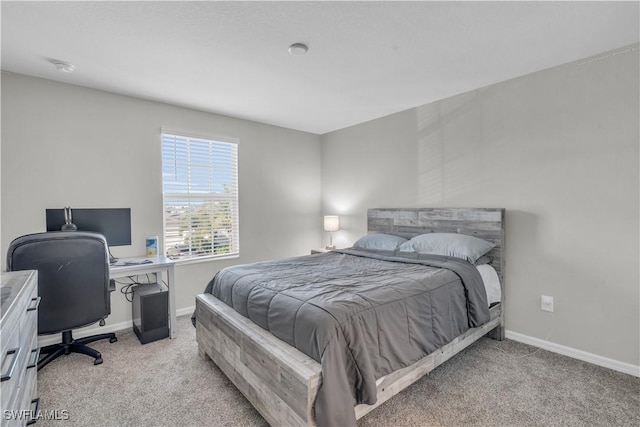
73, 285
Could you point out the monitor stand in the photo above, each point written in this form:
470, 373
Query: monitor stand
112, 259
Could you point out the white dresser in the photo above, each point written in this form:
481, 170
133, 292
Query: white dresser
19, 347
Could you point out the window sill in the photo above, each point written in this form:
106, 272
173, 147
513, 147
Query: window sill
180, 262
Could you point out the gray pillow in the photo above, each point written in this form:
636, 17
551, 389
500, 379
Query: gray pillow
450, 244
379, 241
484, 259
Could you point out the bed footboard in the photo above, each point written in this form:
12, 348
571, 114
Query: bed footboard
280, 381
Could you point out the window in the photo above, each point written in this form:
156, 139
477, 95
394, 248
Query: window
200, 196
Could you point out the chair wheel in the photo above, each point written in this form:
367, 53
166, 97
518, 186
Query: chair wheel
98, 361
112, 340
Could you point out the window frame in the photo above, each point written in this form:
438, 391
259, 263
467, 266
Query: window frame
203, 197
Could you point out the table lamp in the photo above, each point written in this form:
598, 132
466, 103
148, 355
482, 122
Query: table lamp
331, 224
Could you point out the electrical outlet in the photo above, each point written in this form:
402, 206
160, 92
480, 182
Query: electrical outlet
546, 303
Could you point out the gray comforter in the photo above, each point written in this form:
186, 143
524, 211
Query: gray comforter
361, 314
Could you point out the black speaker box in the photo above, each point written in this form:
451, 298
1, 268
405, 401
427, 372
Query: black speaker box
150, 312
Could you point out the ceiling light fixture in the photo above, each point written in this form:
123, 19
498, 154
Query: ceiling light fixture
298, 49
63, 66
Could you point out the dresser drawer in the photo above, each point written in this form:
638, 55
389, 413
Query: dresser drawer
11, 359
28, 381
27, 332
19, 347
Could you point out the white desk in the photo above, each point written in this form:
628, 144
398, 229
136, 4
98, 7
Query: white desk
158, 264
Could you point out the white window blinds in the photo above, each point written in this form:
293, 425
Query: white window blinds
200, 193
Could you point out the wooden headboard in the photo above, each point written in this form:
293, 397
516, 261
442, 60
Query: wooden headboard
484, 223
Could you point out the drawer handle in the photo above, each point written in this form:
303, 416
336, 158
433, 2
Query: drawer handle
35, 302
15, 352
36, 356
35, 411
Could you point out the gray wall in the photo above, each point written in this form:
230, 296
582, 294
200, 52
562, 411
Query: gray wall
559, 150
64, 145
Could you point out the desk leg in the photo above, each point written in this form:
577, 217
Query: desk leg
172, 301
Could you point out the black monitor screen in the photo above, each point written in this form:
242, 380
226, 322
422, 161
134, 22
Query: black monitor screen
114, 224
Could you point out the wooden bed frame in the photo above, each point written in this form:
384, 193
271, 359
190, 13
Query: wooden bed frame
282, 382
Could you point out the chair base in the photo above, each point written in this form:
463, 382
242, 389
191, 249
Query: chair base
70, 345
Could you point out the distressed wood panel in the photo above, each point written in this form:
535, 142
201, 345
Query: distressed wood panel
263, 367
461, 214
484, 223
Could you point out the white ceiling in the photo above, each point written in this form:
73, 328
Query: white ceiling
365, 60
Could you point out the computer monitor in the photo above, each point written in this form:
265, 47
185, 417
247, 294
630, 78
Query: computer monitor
113, 223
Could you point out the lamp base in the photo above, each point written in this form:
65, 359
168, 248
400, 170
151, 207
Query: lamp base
330, 247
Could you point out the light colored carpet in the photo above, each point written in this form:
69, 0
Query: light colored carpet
491, 383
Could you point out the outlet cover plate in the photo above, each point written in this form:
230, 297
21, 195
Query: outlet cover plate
546, 303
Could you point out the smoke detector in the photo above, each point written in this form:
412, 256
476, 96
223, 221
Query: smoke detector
64, 67
298, 49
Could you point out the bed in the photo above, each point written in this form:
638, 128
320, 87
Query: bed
286, 385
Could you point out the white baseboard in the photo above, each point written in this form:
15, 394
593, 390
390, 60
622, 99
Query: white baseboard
44, 340
185, 311
605, 362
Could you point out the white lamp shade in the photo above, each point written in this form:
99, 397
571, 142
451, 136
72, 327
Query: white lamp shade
331, 223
